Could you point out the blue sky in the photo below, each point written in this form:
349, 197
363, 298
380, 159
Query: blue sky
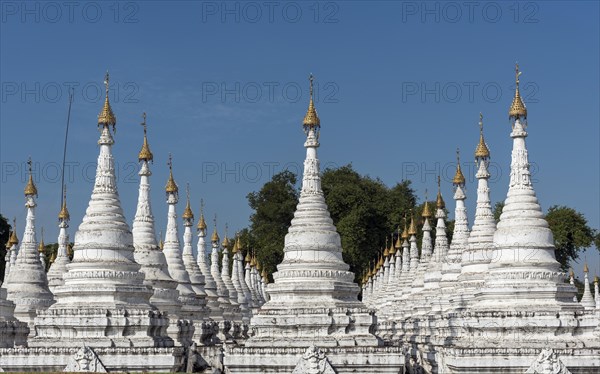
400, 85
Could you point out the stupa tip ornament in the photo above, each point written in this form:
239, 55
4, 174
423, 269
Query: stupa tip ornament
405, 232
311, 119
171, 186
42, 244
482, 151
459, 178
106, 116
64, 215
30, 188
201, 221
225, 243
517, 108
426, 211
412, 230
585, 268
187, 212
145, 153
398, 244
440, 204
13, 239
215, 235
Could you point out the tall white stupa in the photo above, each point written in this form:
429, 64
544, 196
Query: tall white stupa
103, 302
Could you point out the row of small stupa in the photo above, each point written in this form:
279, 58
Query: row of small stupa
190, 290
419, 279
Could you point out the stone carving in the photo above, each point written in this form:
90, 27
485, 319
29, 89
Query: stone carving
85, 360
547, 363
313, 361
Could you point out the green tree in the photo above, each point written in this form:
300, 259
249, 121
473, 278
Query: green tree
571, 233
365, 212
273, 207
498, 210
4, 234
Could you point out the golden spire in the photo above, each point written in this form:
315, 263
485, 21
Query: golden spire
171, 186
187, 212
236, 244
482, 151
386, 251
440, 204
571, 273
398, 244
459, 178
161, 243
30, 189
517, 108
585, 268
53, 257
412, 230
392, 249
264, 276
13, 239
225, 242
41, 245
405, 232
426, 212
215, 235
596, 279
248, 259
107, 117
201, 222
145, 153
63, 215
253, 260
258, 267
311, 119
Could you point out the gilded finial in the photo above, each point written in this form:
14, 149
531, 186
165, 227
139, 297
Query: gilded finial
41, 245
517, 108
53, 257
311, 119
215, 235
459, 178
392, 249
265, 276
13, 239
63, 215
405, 232
187, 212
596, 279
201, 221
145, 153
585, 268
236, 243
225, 243
426, 212
171, 186
248, 259
571, 273
482, 151
106, 116
398, 244
30, 188
161, 243
412, 230
386, 251
440, 204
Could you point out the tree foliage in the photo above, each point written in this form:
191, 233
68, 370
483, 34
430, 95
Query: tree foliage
571, 233
4, 234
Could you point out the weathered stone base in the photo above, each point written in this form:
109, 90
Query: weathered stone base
364, 360
55, 359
